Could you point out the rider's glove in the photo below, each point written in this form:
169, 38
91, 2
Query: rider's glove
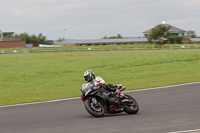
123, 87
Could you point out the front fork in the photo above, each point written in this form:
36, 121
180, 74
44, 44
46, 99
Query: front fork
94, 100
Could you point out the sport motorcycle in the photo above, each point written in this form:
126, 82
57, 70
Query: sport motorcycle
98, 101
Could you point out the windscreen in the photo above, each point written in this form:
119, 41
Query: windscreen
86, 87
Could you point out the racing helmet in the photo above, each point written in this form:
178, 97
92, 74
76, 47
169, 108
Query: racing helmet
89, 75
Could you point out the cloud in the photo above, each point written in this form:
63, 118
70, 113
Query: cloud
95, 19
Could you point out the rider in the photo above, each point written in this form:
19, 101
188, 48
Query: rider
98, 81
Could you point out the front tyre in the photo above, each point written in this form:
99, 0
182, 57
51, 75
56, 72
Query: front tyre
94, 107
131, 108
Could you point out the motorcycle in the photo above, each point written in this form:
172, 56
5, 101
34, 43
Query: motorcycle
98, 101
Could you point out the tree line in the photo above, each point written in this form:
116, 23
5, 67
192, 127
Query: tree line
160, 33
31, 38
113, 37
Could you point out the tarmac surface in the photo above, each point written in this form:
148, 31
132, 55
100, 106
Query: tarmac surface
174, 109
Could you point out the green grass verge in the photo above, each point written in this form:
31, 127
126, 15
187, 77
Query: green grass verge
41, 77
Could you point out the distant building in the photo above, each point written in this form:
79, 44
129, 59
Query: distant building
7, 40
6, 36
175, 32
93, 42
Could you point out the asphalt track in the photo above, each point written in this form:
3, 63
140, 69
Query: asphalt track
162, 110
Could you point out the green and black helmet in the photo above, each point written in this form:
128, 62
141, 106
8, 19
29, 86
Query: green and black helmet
89, 75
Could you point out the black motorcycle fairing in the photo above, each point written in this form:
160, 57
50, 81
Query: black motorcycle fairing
103, 95
109, 101
98, 101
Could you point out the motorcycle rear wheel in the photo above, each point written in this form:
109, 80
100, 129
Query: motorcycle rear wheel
96, 110
131, 108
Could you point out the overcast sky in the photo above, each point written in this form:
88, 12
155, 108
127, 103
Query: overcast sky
94, 19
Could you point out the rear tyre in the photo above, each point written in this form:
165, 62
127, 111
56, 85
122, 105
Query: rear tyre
131, 108
95, 109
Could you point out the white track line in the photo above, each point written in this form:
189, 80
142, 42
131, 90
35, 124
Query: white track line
156, 88
186, 131
40, 102
79, 97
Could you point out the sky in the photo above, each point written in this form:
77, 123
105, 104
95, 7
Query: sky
94, 19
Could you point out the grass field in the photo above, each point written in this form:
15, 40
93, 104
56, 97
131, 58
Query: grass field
40, 77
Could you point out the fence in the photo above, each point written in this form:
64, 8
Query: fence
96, 48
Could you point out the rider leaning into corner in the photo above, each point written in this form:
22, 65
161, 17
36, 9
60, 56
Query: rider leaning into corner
115, 100
98, 81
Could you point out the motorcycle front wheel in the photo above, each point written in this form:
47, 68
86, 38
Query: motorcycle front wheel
94, 107
131, 108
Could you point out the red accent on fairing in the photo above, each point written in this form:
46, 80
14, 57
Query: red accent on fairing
114, 108
82, 97
118, 92
99, 84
